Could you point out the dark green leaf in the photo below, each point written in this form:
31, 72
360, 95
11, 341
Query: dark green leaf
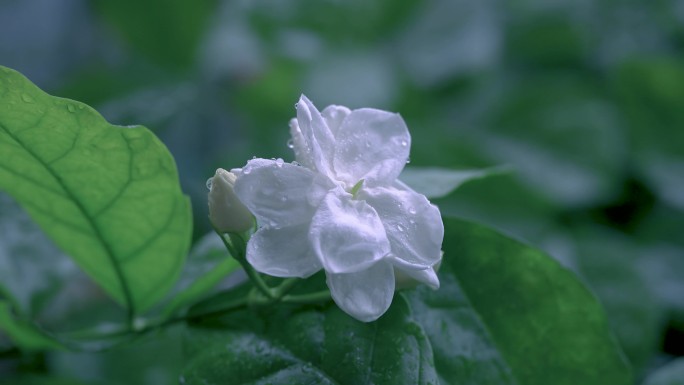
315, 347
108, 196
508, 314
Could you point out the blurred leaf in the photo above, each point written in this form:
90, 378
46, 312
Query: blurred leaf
24, 334
208, 263
35, 379
32, 269
547, 41
609, 263
561, 135
316, 347
107, 195
153, 359
166, 31
670, 374
508, 314
650, 93
440, 182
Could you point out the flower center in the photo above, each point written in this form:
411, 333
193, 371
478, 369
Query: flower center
356, 188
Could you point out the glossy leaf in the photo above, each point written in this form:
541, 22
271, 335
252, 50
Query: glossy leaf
508, 314
314, 347
108, 196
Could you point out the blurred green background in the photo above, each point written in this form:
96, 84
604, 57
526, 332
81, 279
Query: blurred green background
585, 99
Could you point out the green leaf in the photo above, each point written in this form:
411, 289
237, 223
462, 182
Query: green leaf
440, 182
107, 195
508, 314
609, 263
315, 347
670, 374
24, 334
208, 263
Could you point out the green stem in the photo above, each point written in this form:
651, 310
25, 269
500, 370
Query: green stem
321, 296
285, 287
236, 247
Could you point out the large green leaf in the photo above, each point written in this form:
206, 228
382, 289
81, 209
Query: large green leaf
107, 195
314, 347
508, 314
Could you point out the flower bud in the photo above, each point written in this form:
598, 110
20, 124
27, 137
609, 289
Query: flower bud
226, 213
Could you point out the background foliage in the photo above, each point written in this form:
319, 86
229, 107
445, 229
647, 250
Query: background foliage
582, 98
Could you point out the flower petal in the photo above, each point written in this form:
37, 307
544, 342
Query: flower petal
318, 140
334, 116
413, 225
408, 277
283, 252
280, 194
372, 145
346, 234
364, 295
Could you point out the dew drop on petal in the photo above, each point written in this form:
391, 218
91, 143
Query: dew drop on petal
296, 105
279, 162
209, 183
400, 228
403, 143
246, 170
412, 210
290, 143
408, 160
254, 157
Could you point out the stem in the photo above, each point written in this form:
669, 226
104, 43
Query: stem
285, 287
237, 250
321, 296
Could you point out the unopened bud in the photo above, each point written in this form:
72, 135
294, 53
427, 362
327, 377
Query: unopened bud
226, 212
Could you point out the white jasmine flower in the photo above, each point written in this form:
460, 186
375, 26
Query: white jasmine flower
341, 208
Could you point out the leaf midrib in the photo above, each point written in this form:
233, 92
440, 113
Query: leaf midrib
91, 222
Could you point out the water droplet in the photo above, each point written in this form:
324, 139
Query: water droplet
71, 108
209, 183
412, 210
290, 143
408, 160
279, 162
246, 170
403, 143
411, 221
253, 156
400, 228
26, 98
296, 105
